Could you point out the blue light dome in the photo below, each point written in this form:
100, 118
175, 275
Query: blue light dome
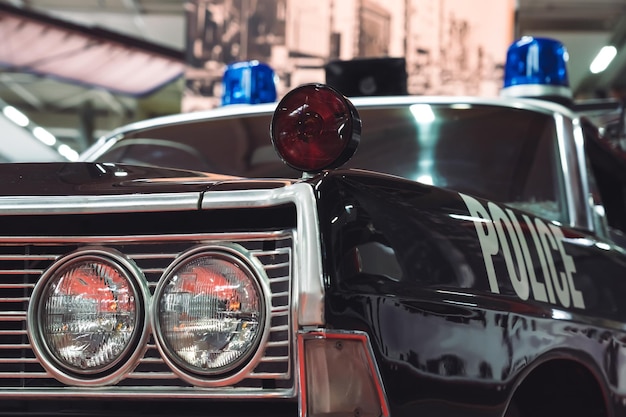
537, 67
248, 82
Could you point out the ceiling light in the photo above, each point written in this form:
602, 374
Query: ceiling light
68, 152
44, 136
15, 116
603, 59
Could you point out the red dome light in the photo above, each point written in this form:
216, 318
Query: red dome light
314, 128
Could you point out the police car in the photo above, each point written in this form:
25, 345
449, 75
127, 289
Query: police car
388, 256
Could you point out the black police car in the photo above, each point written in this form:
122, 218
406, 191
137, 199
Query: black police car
465, 261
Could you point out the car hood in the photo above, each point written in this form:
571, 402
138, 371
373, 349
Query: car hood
92, 179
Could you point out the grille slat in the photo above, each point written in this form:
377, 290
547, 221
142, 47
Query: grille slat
280, 294
18, 360
145, 256
21, 271
151, 360
151, 375
14, 300
277, 266
24, 260
267, 375
16, 286
12, 316
277, 343
14, 346
20, 257
29, 375
12, 332
158, 271
276, 359
278, 280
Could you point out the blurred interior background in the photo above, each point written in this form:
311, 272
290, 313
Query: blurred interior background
77, 69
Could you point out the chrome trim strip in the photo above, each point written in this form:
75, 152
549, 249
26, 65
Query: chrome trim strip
586, 216
141, 392
99, 203
143, 238
308, 279
564, 143
574, 169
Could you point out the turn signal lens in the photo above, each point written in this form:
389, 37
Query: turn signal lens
314, 127
209, 313
341, 378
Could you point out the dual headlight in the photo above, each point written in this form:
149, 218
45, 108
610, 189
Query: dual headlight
89, 316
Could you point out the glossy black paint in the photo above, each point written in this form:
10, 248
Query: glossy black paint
94, 179
50, 179
403, 262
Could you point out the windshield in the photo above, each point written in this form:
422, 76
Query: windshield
499, 153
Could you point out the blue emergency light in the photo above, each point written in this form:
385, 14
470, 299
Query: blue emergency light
537, 67
248, 82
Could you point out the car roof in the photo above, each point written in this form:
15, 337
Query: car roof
359, 102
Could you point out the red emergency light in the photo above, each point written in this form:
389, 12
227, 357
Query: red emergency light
314, 128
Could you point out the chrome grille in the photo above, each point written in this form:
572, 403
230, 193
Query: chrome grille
23, 260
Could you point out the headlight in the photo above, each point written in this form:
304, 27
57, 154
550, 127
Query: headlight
86, 317
210, 314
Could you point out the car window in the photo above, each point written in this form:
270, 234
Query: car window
607, 161
502, 154
499, 153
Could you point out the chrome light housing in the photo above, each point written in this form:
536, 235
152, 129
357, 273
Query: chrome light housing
210, 314
86, 317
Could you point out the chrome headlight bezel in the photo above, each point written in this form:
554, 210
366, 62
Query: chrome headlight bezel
134, 348
254, 272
